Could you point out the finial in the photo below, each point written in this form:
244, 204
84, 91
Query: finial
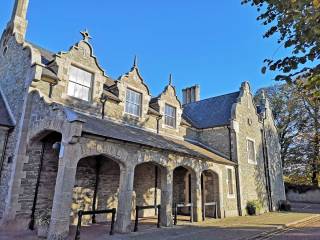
263, 94
170, 79
86, 36
135, 61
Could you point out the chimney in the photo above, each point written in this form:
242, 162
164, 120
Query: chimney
191, 94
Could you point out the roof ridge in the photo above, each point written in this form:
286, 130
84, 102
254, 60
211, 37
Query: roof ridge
210, 98
41, 48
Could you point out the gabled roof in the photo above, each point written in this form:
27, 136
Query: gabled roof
210, 112
109, 129
5, 118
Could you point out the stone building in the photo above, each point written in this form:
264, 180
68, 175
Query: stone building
72, 138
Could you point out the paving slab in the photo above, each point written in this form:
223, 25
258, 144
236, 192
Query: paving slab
232, 228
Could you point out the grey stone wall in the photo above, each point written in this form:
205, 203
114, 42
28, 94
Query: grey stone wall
216, 138
144, 188
14, 84
274, 158
247, 126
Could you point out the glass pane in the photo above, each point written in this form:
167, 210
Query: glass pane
133, 102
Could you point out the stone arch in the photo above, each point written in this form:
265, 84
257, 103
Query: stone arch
40, 168
184, 186
41, 128
213, 169
147, 186
210, 192
115, 152
96, 187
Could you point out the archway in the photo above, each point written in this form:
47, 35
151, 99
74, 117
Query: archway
96, 188
184, 180
210, 194
41, 173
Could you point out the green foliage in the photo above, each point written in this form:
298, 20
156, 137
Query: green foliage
297, 117
254, 207
296, 24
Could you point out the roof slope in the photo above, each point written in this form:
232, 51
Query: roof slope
210, 112
5, 119
127, 133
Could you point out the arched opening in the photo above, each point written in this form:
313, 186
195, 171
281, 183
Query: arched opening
41, 173
96, 188
183, 190
147, 190
210, 194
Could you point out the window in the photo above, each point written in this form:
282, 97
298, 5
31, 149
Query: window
251, 151
133, 102
170, 116
79, 83
230, 182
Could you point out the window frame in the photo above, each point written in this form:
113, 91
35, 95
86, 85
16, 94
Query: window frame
167, 116
231, 170
90, 89
254, 151
140, 104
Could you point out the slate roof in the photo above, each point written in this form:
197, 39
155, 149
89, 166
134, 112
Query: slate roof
131, 134
210, 112
5, 119
46, 55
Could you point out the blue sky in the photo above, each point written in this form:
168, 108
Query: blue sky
217, 44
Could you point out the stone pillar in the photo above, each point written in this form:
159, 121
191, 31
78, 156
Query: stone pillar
60, 216
123, 220
196, 196
166, 197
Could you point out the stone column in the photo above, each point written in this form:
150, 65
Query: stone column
166, 197
123, 220
60, 216
196, 196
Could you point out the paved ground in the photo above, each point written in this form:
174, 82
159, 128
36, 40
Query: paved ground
266, 226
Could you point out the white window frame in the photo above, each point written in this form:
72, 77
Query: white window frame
141, 100
175, 117
73, 82
255, 151
233, 182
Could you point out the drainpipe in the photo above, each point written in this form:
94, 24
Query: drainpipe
4, 151
266, 166
236, 169
103, 100
155, 189
94, 201
158, 124
51, 85
34, 204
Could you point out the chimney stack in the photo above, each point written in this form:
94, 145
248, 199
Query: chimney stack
191, 94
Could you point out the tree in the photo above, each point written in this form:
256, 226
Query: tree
297, 114
296, 24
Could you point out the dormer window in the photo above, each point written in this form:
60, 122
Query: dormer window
133, 102
170, 116
79, 83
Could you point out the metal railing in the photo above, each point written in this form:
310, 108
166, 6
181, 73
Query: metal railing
182, 205
138, 208
81, 213
215, 211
